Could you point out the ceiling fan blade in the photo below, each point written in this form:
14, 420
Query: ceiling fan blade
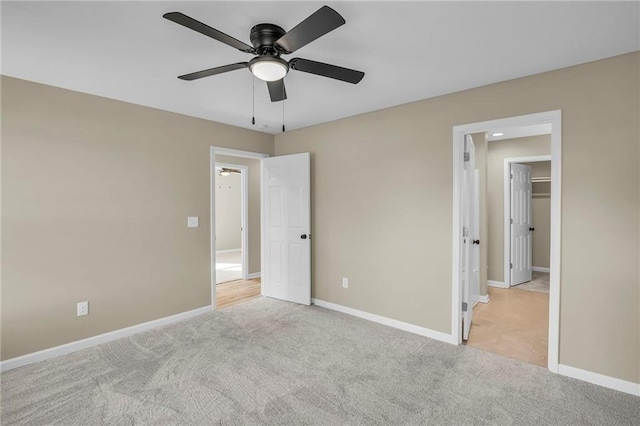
213, 71
321, 22
326, 70
186, 21
277, 92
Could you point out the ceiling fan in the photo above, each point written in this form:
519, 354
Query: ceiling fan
225, 171
269, 43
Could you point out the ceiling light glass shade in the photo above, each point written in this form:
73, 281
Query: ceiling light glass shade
224, 173
269, 68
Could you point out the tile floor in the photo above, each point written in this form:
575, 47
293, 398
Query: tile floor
515, 324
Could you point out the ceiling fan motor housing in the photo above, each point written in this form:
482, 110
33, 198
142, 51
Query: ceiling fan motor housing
264, 36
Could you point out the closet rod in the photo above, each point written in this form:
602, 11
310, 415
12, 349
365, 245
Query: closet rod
540, 179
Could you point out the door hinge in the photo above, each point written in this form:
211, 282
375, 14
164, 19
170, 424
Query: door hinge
512, 221
511, 265
467, 156
464, 306
511, 175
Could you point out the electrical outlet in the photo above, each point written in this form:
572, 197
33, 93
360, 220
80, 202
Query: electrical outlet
345, 282
192, 222
83, 308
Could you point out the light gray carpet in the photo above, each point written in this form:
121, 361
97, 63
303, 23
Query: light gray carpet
539, 282
271, 362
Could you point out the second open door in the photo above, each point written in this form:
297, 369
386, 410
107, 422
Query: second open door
520, 224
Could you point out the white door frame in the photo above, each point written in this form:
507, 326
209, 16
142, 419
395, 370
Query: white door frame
550, 117
244, 214
507, 208
213, 150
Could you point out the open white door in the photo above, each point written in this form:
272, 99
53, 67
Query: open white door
470, 231
474, 290
520, 223
286, 245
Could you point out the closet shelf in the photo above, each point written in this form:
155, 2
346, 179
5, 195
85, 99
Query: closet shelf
540, 179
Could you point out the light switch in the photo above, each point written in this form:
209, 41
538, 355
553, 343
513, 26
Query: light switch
192, 222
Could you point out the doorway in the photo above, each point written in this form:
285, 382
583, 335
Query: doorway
527, 221
278, 228
500, 300
235, 226
231, 228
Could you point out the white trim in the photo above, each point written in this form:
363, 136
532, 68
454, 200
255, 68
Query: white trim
600, 379
483, 299
212, 221
498, 284
555, 264
212, 182
56, 351
507, 208
238, 153
555, 118
254, 275
228, 251
262, 245
426, 332
540, 269
244, 213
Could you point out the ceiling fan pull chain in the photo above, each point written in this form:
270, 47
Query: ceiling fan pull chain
253, 100
283, 108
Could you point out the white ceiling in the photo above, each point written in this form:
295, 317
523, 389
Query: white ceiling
409, 51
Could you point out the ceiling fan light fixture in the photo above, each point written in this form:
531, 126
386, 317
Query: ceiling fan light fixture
269, 68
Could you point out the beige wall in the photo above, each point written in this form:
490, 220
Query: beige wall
95, 199
253, 173
497, 152
392, 237
541, 215
228, 212
95, 194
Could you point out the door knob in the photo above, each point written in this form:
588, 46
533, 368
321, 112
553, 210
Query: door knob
476, 242
303, 236
532, 229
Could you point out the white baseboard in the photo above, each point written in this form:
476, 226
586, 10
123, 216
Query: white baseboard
498, 284
482, 299
600, 379
56, 351
228, 251
540, 269
437, 335
254, 275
